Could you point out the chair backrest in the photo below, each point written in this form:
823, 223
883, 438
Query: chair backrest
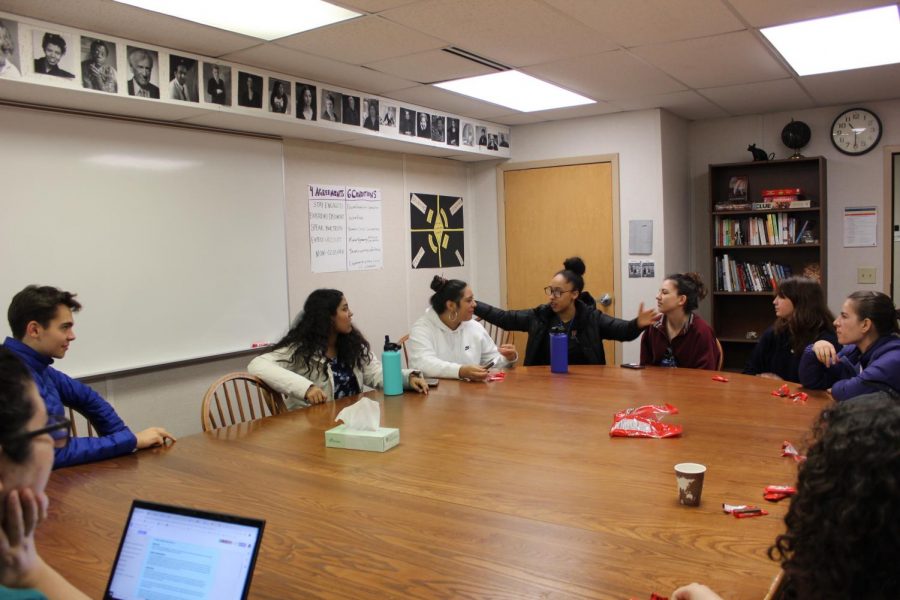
75, 418
403, 341
498, 334
721, 355
237, 398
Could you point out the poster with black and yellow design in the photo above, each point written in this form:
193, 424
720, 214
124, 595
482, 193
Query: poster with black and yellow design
436, 231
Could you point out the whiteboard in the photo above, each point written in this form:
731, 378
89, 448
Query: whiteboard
172, 238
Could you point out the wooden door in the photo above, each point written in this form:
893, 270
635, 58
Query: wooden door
553, 213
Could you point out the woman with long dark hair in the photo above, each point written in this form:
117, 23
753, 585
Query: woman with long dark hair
801, 318
870, 359
680, 338
843, 534
445, 341
585, 327
323, 356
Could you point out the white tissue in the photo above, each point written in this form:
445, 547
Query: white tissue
363, 415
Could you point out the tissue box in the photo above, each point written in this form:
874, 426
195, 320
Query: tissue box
383, 439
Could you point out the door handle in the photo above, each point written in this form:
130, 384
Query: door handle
606, 300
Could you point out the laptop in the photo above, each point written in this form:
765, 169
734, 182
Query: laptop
175, 553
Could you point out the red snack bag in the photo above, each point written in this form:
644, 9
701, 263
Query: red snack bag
781, 489
750, 512
799, 397
643, 421
498, 376
783, 392
787, 449
721, 379
774, 496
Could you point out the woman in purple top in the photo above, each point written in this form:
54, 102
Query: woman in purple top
680, 338
870, 359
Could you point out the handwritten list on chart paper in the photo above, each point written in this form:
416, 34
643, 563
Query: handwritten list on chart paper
344, 228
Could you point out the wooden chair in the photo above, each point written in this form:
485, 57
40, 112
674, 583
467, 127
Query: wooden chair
721, 355
403, 341
499, 335
75, 418
238, 398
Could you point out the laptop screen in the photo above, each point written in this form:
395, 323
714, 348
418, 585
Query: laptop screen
178, 553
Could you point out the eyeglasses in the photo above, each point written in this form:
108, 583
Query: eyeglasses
555, 292
57, 426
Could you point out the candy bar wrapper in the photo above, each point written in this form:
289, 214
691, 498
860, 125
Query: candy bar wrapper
749, 512
787, 449
799, 397
644, 422
783, 392
498, 376
720, 379
653, 411
781, 489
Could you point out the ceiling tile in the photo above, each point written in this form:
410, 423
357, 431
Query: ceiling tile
557, 114
687, 104
442, 100
512, 32
135, 24
430, 67
719, 60
859, 85
361, 40
762, 97
291, 62
641, 22
606, 76
764, 13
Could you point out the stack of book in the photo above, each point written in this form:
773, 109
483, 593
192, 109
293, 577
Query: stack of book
781, 198
737, 276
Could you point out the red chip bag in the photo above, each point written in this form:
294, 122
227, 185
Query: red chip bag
644, 422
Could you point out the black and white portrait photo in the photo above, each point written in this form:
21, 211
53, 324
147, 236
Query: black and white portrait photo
648, 268
98, 65
306, 102
331, 105
9, 49
51, 54
183, 74
388, 116
437, 128
144, 72
504, 139
279, 96
407, 121
351, 111
250, 90
492, 141
370, 109
468, 134
218, 83
482, 136
452, 131
423, 125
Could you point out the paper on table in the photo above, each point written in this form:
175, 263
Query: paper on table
363, 415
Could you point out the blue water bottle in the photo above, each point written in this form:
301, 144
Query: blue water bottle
390, 368
559, 350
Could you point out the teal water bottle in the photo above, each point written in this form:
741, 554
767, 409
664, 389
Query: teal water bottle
390, 368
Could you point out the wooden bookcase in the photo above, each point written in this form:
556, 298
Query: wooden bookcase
735, 313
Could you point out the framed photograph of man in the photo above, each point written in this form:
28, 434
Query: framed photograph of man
351, 110
438, 128
218, 83
250, 90
98, 65
468, 134
423, 125
389, 116
452, 131
10, 62
55, 54
144, 66
306, 102
504, 139
407, 121
370, 109
279, 96
183, 78
332, 103
492, 141
482, 135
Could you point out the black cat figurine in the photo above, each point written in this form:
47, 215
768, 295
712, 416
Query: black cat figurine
759, 153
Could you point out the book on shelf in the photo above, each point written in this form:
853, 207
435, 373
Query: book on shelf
781, 192
763, 206
791, 202
739, 276
772, 229
737, 188
732, 206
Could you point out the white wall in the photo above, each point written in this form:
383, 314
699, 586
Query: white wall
637, 139
677, 215
852, 181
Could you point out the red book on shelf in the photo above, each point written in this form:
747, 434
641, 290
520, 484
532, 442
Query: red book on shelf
782, 192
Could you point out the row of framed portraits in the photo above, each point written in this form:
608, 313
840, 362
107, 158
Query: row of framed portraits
79, 60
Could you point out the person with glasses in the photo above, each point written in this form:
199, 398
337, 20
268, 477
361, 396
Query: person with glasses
445, 342
42, 325
585, 327
680, 338
26, 459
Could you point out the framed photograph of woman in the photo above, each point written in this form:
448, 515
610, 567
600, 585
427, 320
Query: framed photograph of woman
9, 49
54, 54
389, 116
371, 121
306, 101
279, 96
452, 131
250, 90
332, 102
468, 134
407, 121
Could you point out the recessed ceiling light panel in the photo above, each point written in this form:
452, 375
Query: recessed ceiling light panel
515, 90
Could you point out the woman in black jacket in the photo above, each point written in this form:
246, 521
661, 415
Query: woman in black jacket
585, 326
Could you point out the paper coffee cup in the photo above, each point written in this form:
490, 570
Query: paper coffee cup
690, 482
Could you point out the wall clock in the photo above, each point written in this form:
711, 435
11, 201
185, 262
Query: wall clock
856, 131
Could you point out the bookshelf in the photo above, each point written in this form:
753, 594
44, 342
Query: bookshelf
753, 247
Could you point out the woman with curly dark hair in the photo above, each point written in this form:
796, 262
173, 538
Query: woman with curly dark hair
801, 318
323, 356
843, 533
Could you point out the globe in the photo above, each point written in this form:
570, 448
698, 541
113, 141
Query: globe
796, 135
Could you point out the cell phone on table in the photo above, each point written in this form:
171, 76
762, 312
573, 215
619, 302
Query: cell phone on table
432, 381
631, 366
488, 364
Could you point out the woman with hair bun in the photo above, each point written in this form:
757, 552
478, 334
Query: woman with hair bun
680, 338
585, 327
323, 356
870, 359
445, 342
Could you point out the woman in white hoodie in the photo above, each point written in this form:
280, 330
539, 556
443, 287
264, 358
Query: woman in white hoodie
445, 341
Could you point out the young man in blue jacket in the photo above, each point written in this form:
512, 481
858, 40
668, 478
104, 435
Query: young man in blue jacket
42, 326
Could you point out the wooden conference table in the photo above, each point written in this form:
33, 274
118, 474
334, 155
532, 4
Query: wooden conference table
511, 489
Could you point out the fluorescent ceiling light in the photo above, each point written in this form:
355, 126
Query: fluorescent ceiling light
867, 38
265, 19
515, 90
